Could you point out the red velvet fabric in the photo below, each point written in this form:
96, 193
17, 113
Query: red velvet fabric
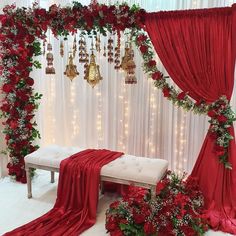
198, 48
77, 197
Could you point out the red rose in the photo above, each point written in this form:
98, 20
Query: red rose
211, 113
160, 186
149, 228
166, 92
30, 38
117, 232
222, 118
111, 224
13, 124
29, 81
115, 204
141, 38
143, 49
152, 63
187, 230
29, 126
23, 179
7, 88
181, 95
157, 75
5, 107
139, 218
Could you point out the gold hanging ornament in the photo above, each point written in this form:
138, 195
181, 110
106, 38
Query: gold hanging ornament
82, 49
130, 68
117, 54
61, 49
49, 57
92, 74
74, 49
128, 64
104, 51
71, 69
110, 50
126, 57
97, 44
44, 44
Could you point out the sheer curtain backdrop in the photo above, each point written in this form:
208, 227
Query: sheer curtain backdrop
135, 119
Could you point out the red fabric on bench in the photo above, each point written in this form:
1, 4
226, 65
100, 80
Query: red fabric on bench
77, 196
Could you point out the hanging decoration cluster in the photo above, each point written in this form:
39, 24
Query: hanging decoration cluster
113, 54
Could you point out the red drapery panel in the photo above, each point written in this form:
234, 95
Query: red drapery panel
197, 48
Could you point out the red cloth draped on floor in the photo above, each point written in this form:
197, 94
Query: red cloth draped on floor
77, 196
198, 49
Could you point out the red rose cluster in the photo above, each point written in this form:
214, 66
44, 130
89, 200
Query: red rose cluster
175, 211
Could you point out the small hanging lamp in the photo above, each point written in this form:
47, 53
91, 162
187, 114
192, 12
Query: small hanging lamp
71, 69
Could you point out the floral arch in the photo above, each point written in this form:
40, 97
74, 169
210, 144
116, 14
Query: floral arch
20, 35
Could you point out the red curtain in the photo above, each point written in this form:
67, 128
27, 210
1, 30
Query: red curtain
198, 48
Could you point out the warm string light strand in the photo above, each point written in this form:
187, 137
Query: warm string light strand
99, 118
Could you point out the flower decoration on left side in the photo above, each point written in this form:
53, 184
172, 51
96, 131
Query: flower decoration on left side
176, 210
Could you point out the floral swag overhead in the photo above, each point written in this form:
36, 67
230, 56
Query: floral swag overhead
20, 34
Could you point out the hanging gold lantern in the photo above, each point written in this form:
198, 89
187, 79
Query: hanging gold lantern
126, 57
71, 69
92, 74
49, 57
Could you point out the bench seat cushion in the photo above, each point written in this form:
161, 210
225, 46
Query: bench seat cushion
127, 167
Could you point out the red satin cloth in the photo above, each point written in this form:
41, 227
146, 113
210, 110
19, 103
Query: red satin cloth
77, 197
198, 49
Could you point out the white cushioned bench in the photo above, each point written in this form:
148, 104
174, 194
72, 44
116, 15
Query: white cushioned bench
128, 169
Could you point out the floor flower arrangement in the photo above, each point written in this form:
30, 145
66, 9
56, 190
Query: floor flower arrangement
176, 210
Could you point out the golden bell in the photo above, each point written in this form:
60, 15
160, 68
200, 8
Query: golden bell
71, 69
92, 74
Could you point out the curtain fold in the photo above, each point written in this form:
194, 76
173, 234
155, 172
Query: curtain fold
197, 48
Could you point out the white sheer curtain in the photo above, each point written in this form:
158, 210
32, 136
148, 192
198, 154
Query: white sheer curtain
135, 119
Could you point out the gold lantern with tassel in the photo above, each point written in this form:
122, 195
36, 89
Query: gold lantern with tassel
130, 68
71, 69
126, 57
92, 74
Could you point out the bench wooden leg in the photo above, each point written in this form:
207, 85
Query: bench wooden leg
29, 184
52, 176
102, 187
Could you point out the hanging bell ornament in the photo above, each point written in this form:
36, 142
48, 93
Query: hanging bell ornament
71, 69
97, 44
44, 50
49, 57
117, 55
82, 49
93, 75
74, 47
104, 52
110, 50
61, 49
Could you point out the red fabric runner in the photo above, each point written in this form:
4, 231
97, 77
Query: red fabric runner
77, 196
